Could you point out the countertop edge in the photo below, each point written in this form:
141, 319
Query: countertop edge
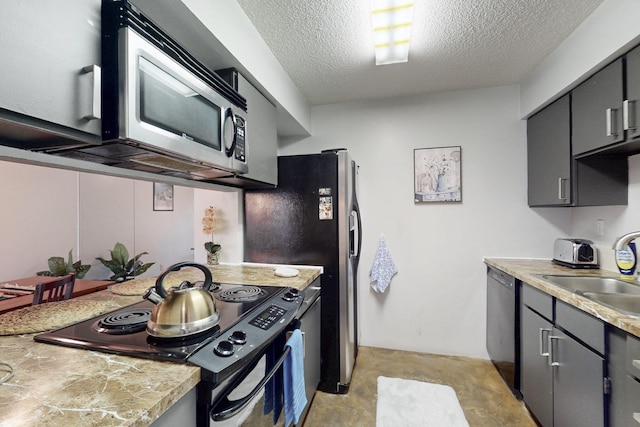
528, 270
25, 400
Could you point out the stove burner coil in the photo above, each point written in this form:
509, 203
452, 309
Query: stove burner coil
124, 322
242, 294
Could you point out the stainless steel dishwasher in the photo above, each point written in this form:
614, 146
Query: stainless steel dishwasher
503, 333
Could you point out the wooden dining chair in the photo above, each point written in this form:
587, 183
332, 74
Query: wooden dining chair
56, 290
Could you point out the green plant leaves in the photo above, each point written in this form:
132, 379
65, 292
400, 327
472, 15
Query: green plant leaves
121, 266
58, 267
212, 247
120, 254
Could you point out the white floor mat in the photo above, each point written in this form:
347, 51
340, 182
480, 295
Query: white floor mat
414, 403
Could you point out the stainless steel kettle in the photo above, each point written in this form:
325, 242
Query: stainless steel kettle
183, 310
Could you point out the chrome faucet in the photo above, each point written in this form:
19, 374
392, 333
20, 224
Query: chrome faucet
622, 241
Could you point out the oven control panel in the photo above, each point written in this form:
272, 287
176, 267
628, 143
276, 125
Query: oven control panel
268, 317
243, 342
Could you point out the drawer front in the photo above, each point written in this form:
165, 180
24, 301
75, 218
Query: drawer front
583, 326
633, 356
538, 301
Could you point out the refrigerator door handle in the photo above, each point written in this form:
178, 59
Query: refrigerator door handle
355, 220
354, 231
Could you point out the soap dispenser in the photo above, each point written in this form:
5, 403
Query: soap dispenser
626, 260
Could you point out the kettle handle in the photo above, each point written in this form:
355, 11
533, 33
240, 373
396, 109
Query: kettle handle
208, 278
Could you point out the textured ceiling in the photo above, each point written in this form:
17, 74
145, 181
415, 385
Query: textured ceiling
326, 46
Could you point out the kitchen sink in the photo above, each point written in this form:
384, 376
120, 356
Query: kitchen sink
593, 284
626, 303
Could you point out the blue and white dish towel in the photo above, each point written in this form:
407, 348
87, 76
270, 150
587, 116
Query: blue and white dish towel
295, 396
383, 268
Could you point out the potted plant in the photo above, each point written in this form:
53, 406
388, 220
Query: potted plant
208, 227
58, 267
121, 266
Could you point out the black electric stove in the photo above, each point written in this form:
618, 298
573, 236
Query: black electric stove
123, 331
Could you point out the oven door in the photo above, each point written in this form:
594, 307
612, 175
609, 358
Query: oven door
239, 399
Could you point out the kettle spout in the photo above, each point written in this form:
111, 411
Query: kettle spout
152, 296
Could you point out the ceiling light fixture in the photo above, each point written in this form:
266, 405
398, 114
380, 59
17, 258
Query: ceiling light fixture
391, 21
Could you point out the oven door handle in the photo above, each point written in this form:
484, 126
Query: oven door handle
226, 408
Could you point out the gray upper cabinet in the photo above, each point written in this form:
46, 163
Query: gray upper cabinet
556, 178
606, 109
631, 105
50, 60
262, 135
597, 110
549, 155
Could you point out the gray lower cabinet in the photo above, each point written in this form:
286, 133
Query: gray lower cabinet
578, 378
49, 50
536, 373
310, 328
624, 371
563, 368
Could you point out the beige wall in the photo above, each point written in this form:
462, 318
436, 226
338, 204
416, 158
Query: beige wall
47, 211
436, 302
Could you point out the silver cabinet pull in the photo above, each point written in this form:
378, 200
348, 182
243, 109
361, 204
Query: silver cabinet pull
636, 417
628, 114
611, 122
550, 348
561, 192
542, 341
96, 107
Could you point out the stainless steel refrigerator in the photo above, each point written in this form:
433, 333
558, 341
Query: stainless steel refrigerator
312, 218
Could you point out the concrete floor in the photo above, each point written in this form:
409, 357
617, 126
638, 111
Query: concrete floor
485, 398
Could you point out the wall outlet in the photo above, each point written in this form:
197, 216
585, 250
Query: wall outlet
600, 227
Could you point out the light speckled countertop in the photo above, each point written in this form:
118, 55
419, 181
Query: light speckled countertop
528, 270
60, 386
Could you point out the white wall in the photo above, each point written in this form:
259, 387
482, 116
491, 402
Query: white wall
38, 217
611, 30
48, 211
229, 227
121, 210
436, 302
618, 220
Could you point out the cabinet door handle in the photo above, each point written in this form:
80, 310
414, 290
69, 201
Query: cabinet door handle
550, 348
542, 341
561, 193
636, 417
628, 114
611, 122
96, 107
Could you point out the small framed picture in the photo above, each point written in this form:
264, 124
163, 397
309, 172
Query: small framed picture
162, 196
437, 174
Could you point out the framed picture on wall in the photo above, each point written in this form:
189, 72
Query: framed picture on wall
162, 196
437, 174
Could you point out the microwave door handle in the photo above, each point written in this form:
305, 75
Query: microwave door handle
229, 113
96, 91
226, 408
